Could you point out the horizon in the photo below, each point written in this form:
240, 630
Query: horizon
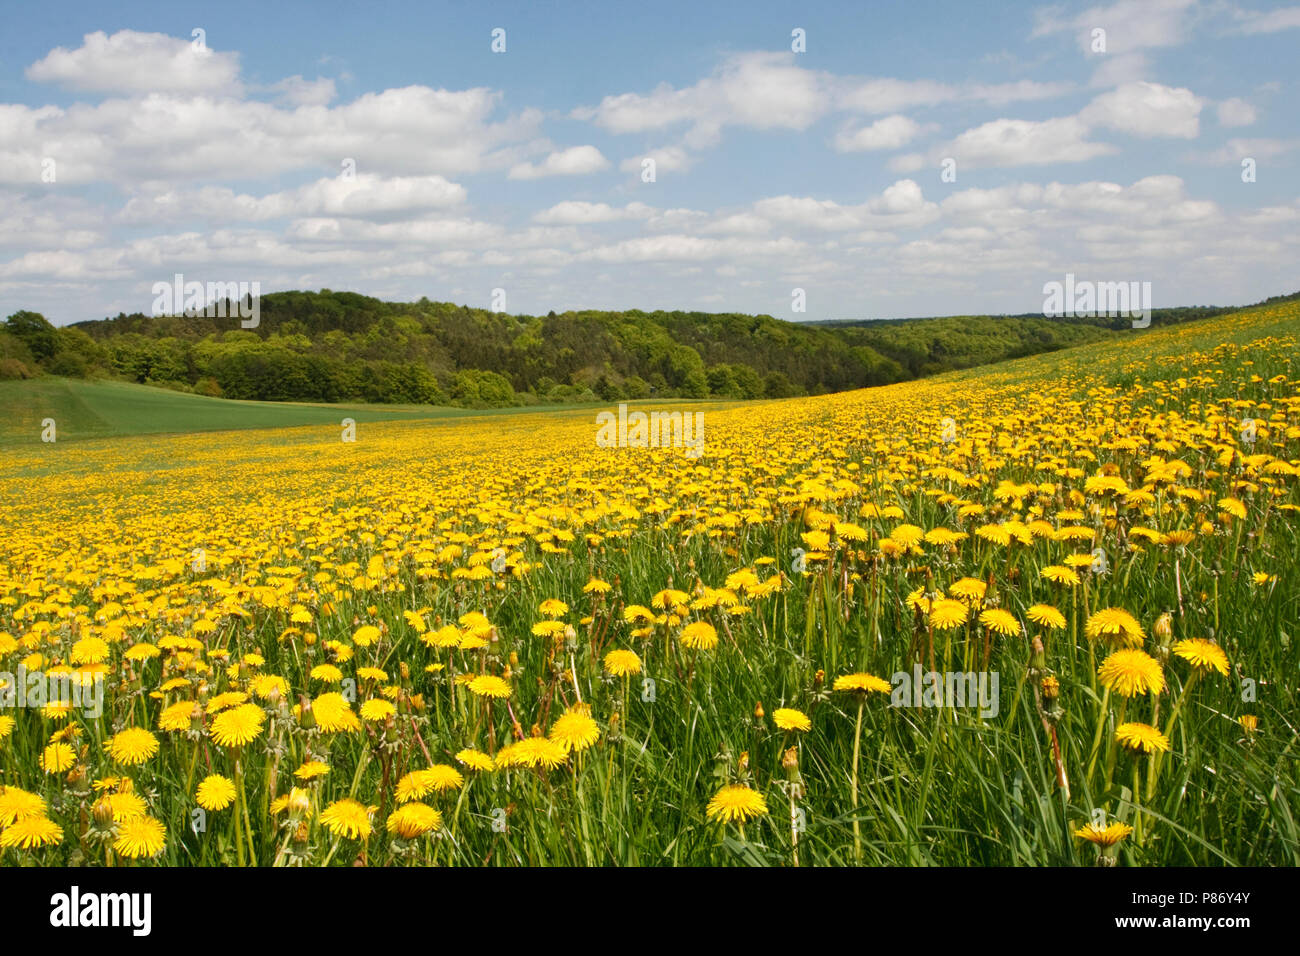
893, 318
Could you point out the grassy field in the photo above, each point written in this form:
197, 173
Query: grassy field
105, 409
488, 641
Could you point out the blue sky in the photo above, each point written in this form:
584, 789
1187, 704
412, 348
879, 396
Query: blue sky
128, 155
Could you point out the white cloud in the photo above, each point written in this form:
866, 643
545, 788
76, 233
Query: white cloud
1011, 142
1130, 25
757, 90
1236, 112
164, 138
365, 196
577, 213
1235, 150
891, 132
899, 205
1146, 110
1140, 109
296, 91
575, 161
1274, 21
739, 224
888, 95
131, 62
419, 232
678, 248
668, 159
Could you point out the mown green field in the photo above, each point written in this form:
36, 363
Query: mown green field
104, 409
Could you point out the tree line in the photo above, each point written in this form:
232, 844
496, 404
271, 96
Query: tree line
332, 346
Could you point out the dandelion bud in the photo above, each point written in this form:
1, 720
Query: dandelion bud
819, 678
102, 811
790, 761
1051, 688
758, 711
1164, 627
1038, 660
514, 658
298, 801
743, 763
306, 719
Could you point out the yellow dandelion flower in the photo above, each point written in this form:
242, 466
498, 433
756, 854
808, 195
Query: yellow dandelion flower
239, 726
1203, 655
736, 804
1104, 836
140, 836
861, 683
1044, 615
947, 613
476, 760
1130, 672
347, 818
575, 731
1141, 738
412, 820
134, 745
215, 792
1000, 621
488, 685
31, 833
699, 635
622, 663
311, 770
787, 718
1115, 626
58, 757
377, 710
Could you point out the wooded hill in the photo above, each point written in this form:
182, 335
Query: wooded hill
342, 346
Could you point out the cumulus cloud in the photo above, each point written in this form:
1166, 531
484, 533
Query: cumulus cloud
578, 213
668, 159
891, 132
757, 90
1146, 110
163, 137
575, 161
295, 91
1140, 109
1130, 25
131, 62
1236, 112
362, 196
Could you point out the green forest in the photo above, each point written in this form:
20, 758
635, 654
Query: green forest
345, 347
